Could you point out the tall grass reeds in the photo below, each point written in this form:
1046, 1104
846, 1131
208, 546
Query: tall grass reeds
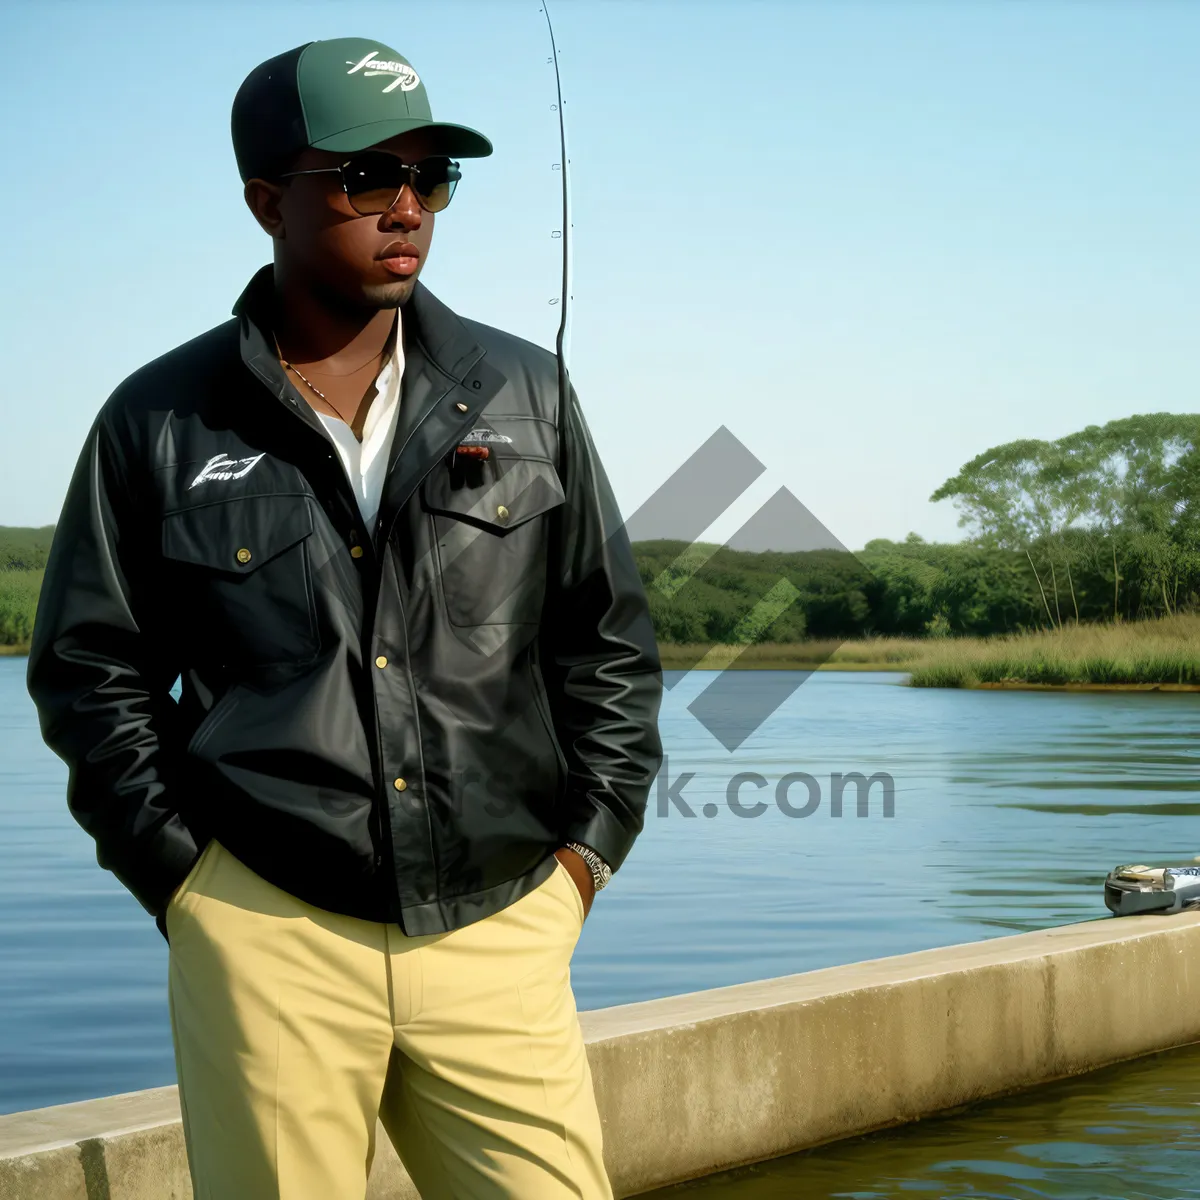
1162, 651
1154, 652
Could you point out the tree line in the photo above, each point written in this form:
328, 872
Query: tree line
1100, 525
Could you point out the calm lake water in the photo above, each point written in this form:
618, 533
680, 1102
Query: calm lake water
1010, 807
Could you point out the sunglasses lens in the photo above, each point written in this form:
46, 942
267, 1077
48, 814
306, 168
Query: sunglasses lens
374, 182
436, 180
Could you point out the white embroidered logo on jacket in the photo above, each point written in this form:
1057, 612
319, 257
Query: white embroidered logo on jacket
218, 467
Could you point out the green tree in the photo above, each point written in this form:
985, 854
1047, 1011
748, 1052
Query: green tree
1133, 478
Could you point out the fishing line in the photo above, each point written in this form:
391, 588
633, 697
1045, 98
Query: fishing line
564, 299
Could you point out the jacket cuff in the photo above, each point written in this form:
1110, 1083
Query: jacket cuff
162, 865
603, 833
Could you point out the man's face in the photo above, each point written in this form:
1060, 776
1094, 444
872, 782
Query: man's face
323, 242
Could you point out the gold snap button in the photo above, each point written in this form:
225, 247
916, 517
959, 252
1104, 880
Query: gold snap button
400, 785
460, 406
356, 552
381, 661
501, 513
243, 555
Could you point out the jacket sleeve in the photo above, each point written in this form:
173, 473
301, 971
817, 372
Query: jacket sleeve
599, 656
101, 680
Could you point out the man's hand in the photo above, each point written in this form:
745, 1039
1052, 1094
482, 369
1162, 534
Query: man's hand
581, 873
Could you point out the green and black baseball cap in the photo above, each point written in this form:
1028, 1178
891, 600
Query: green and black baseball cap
344, 94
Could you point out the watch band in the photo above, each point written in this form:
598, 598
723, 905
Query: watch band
601, 871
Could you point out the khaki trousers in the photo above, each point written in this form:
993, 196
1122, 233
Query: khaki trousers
295, 1028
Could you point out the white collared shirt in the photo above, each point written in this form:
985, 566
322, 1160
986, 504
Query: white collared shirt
366, 461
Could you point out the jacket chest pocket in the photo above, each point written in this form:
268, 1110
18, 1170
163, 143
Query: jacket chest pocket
242, 575
490, 537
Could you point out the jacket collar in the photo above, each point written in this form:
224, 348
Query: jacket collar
447, 342
445, 385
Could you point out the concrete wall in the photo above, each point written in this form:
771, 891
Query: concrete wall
692, 1084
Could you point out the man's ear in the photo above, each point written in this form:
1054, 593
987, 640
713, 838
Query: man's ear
263, 200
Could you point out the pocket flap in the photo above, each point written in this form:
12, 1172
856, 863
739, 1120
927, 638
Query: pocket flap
494, 497
236, 535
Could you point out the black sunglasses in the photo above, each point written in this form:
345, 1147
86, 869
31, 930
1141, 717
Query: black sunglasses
374, 180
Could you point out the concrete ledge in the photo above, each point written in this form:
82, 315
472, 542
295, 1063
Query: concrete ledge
693, 1084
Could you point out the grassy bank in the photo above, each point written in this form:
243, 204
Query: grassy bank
862, 654
1161, 653
1164, 652
18, 601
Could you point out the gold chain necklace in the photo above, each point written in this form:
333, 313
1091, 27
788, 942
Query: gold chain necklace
309, 383
288, 366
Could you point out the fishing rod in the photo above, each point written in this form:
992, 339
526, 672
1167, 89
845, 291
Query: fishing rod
564, 299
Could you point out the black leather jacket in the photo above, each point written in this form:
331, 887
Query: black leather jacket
399, 723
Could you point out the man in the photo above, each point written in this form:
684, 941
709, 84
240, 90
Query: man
417, 725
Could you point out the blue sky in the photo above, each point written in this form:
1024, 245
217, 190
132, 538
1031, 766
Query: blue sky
873, 239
